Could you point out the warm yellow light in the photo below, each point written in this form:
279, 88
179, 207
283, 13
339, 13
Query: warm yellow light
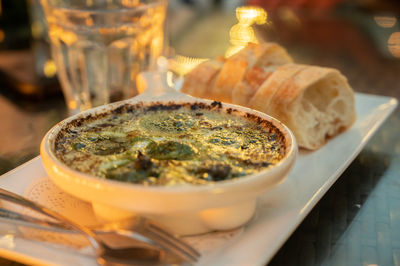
183, 64
108, 31
242, 33
2, 35
394, 44
130, 3
233, 50
249, 15
49, 68
385, 21
56, 33
141, 84
89, 21
120, 44
72, 105
7, 241
170, 79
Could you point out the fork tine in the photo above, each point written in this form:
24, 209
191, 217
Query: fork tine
142, 227
174, 242
172, 247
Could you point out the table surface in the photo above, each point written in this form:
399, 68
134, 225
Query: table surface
357, 222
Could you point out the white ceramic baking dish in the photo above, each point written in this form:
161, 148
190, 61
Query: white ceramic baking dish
186, 210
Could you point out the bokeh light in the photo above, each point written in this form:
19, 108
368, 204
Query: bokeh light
394, 44
2, 35
249, 15
49, 68
242, 33
385, 21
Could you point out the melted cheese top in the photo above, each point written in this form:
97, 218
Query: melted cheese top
157, 146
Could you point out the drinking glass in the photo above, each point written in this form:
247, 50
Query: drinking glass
99, 46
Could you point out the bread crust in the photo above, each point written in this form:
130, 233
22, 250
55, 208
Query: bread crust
265, 59
263, 55
231, 74
201, 79
263, 98
316, 103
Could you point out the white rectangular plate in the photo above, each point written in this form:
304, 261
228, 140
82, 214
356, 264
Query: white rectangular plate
279, 212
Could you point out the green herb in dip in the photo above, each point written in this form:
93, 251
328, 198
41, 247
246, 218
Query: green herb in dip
170, 144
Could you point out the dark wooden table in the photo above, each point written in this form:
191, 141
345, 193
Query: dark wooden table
357, 222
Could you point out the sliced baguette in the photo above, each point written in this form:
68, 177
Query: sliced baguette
254, 61
263, 55
265, 93
231, 74
201, 79
265, 59
316, 103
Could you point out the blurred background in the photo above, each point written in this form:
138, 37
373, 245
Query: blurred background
361, 38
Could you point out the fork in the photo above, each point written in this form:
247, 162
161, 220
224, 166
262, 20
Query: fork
160, 246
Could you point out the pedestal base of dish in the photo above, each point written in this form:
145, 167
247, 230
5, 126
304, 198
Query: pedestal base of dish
189, 222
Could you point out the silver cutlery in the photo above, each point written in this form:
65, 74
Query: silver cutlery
148, 243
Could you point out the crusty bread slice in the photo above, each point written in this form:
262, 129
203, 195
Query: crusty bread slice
261, 100
247, 87
201, 79
246, 70
316, 103
231, 74
263, 55
264, 60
